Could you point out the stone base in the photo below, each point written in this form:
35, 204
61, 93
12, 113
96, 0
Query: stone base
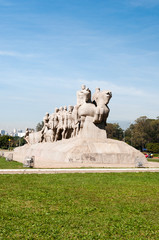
90, 148
81, 152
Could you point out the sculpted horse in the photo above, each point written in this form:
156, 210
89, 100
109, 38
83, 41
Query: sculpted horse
34, 137
98, 109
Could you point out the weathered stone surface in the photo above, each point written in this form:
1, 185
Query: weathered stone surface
65, 124
9, 157
90, 148
77, 137
92, 130
81, 152
28, 162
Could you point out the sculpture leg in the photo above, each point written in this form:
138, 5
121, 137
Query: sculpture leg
54, 134
101, 115
106, 115
57, 133
77, 129
64, 133
82, 121
96, 115
74, 131
72, 135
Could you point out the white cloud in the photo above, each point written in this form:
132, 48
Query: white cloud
15, 54
116, 89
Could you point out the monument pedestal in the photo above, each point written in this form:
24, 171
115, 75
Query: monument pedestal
93, 131
90, 149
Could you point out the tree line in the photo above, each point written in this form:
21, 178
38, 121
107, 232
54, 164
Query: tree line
143, 134
9, 142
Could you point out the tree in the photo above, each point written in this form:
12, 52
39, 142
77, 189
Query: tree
114, 131
4, 141
143, 131
137, 133
39, 126
11, 142
152, 147
18, 141
129, 134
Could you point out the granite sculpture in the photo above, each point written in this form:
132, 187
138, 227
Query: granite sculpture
75, 136
67, 123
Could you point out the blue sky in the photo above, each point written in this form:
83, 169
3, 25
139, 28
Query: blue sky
49, 48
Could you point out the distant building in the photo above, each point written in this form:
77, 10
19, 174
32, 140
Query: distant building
20, 131
14, 133
21, 134
2, 132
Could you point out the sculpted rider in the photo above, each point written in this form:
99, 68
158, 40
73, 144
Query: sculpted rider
26, 137
45, 127
83, 96
63, 123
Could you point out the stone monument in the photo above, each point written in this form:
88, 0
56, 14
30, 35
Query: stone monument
76, 137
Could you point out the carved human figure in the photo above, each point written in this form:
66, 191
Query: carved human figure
99, 111
32, 139
45, 127
75, 121
45, 120
63, 123
55, 122
48, 132
83, 96
68, 123
52, 126
26, 137
102, 110
60, 116
65, 109
70, 110
95, 95
51, 121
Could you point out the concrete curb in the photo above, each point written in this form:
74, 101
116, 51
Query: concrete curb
86, 170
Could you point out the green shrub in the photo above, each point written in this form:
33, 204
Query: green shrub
153, 147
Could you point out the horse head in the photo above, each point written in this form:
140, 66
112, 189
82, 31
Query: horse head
103, 97
108, 96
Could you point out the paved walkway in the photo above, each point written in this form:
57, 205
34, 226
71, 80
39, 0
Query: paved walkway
76, 170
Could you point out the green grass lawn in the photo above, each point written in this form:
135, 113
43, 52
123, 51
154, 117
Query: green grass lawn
80, 206
153, 159
9, 164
